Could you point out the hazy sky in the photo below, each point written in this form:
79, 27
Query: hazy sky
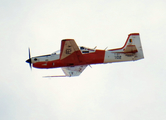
117, 91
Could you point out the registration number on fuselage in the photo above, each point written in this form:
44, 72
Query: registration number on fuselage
117, 55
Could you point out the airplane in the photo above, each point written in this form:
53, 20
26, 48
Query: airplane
74, 59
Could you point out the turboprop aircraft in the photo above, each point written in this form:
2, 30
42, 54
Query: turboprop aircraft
73, 59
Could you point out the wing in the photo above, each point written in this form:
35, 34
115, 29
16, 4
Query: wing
70, 71
55, 76
70, 53
73, 71
68, 47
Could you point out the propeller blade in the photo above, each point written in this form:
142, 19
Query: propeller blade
29, 60
30, 65
29, 53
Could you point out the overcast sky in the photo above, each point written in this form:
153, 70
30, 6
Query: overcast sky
117, 91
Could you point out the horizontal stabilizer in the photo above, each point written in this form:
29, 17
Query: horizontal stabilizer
130, 49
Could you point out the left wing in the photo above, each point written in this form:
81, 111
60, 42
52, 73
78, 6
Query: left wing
55, 76
73, 71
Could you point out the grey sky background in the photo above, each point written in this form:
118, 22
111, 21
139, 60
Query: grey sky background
118, 91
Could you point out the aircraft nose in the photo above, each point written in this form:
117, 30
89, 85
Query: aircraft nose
29, 60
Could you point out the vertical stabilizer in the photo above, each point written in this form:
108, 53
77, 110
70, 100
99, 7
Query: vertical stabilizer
134, 43
132, 47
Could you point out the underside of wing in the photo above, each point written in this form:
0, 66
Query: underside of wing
73, 71
55, 76
70, 71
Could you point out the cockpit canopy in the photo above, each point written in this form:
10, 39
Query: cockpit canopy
86, 50
82, 49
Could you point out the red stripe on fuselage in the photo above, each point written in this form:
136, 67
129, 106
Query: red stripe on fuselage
72, 60
94, 58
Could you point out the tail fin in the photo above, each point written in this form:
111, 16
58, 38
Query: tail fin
132, 47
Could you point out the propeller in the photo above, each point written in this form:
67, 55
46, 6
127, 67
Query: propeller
29, 60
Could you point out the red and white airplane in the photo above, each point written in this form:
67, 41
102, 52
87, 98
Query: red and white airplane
73, 59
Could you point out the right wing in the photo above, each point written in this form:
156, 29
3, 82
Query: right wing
70, 53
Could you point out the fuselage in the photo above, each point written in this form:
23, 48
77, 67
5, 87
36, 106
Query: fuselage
88, 57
